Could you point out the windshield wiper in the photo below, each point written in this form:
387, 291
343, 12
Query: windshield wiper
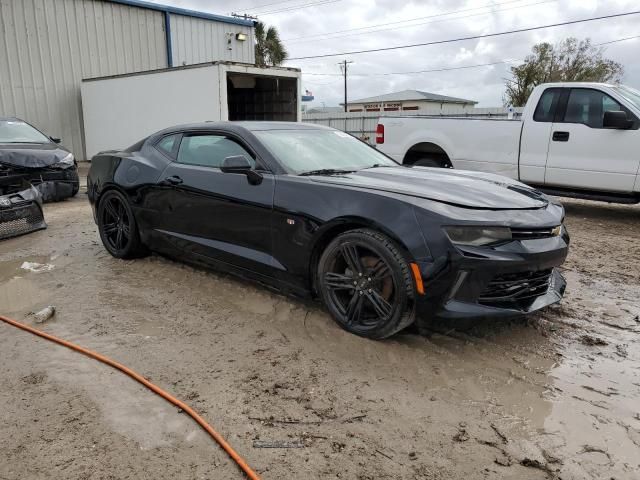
325, 171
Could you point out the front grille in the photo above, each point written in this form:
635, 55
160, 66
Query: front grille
516, 290
17, 221
533, 233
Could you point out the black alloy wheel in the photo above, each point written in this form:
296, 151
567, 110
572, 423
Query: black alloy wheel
117, 226
365, 283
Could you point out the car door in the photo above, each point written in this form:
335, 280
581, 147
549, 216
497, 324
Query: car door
214, 215
583, 154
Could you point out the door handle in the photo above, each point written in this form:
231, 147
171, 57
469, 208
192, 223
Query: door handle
560, 136
173, 180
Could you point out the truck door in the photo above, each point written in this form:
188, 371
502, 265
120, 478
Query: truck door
535, 138
583, 154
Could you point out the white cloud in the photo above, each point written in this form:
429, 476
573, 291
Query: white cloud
484, 84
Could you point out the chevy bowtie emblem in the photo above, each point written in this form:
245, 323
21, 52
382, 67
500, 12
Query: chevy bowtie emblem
5, 202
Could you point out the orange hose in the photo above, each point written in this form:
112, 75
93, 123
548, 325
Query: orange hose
139, 378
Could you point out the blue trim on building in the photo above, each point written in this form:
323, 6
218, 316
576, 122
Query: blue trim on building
167, 36
183, 11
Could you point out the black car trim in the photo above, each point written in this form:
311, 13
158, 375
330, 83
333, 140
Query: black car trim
244, 252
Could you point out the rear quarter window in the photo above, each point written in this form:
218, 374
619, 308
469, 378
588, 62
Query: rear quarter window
546, 108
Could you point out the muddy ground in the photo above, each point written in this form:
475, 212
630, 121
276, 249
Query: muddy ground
557, 396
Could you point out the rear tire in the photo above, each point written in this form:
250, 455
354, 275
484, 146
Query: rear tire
366, 284
432, 161
117, 226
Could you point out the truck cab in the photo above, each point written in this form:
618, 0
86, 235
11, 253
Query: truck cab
574, 139
581, 135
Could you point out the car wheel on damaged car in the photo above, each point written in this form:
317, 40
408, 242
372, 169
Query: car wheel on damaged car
313, 211
27, 153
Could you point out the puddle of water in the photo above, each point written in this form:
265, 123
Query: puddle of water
129, 409
17, 292
22, 266
20, 295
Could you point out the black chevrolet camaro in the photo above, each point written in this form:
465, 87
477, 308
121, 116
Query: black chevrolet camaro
315, 212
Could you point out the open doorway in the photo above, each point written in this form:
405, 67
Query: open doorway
257, 97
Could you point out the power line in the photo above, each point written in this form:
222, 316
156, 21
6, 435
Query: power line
299, 7
473, 37
401, 21
446, 69
257, 7
616, 41
425, 23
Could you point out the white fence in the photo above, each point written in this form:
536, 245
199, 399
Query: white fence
363, 124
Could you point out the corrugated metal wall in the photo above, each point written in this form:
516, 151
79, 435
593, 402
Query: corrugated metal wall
195, 40
49, 46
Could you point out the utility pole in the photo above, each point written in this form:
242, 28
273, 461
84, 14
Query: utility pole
344, 66
245, 16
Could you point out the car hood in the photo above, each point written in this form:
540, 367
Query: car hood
26, 155
455, 187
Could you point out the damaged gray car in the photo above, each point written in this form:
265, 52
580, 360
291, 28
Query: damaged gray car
29, 154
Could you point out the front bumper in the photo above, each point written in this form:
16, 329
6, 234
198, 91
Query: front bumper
55, 184
458, 309
514, 279
21, 213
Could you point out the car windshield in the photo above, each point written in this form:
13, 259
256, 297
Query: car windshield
631, 94
331, 151
16, 131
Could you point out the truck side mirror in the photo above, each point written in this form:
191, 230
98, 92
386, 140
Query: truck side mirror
616, 119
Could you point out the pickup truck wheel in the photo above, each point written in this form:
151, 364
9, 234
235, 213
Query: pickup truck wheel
429, 162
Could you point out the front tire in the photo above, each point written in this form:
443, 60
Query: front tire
366, 284
117, 226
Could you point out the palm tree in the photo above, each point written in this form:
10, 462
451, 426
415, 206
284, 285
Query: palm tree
269, 48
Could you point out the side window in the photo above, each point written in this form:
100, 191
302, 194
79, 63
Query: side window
588, 106
546, 108
210, 150
168, 144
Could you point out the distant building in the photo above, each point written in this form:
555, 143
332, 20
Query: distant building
311, 110
408, 100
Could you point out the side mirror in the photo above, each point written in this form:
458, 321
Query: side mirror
235, 164
240, 164
616, 119
55, 139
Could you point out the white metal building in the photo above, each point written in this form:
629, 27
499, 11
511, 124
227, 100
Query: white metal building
48, 46
409, 100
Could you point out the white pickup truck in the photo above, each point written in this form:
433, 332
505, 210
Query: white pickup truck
574, 139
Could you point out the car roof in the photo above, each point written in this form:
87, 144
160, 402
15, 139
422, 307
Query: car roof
241, 126
13, 119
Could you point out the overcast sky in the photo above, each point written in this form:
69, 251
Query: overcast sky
308, 31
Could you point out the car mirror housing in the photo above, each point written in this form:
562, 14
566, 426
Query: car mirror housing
55, 139
241, 164
235, 164
616, 119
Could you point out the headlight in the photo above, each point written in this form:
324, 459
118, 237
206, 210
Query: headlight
66, 162
478, 236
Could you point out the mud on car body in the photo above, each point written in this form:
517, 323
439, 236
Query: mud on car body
39, 159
